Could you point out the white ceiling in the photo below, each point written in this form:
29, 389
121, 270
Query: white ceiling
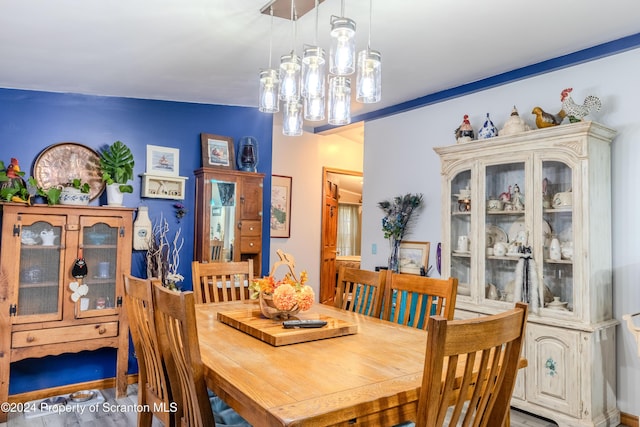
210, 51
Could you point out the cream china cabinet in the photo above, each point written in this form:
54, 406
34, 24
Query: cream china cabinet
548, 190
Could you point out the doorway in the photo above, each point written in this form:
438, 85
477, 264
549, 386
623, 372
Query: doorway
341, 197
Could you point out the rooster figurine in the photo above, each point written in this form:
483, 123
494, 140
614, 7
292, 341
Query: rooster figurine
545, 120
576, 112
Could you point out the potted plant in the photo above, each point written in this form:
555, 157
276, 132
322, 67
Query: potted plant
116, 163
51, 195
75, 192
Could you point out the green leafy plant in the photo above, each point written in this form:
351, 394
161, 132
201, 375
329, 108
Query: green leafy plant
82, 186
51, 194
116, 163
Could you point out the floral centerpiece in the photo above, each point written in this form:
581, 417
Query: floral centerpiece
282, 298
398, 214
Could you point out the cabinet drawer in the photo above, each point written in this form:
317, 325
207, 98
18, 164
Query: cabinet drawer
250, 245
251, 228
67, 334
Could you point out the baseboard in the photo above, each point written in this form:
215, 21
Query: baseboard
629, 420
68, 389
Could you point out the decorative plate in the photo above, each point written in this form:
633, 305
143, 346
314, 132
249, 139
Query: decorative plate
519, 226
59, 164
495, 234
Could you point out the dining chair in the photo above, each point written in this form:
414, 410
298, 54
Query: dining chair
410, 299
360, 291
221, 281
217, 251
175, 319
479, 394
153, 384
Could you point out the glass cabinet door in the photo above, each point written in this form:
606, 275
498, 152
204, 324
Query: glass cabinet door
506, 229
557, 253
99, 249
222, 220
40, 265
461, 230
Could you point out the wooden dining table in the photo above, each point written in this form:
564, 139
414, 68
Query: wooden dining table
370, 377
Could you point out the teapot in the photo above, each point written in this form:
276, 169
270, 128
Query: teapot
48, 237
500, 249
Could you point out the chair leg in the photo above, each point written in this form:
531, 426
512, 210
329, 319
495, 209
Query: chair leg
507, 418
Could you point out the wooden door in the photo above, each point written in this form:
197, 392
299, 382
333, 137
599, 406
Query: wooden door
329, 242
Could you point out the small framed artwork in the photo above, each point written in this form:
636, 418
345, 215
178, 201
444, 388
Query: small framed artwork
280, 206
413, 257
164, 161
217, 151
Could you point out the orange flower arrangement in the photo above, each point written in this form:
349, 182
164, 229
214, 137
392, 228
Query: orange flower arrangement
286, 293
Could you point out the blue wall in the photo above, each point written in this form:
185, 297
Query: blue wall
31, 121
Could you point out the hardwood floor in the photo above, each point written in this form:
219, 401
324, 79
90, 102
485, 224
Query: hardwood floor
121, 413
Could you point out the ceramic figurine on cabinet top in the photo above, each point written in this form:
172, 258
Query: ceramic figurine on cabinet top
515, 124
545, 120
488, 130
577, 112
464, 132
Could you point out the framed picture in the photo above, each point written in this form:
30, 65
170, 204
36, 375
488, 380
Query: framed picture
163, 161
217, 151
280, 206
413, 256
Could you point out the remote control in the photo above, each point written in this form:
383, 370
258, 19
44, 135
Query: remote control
308, 323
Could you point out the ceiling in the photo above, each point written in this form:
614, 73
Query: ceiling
210, 51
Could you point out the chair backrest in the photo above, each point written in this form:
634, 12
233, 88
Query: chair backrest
360, 290
410, 299
153, 383
490, 347
176, 322
217, 247
221, 281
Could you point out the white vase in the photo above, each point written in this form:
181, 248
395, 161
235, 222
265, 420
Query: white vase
114, 195
554, 250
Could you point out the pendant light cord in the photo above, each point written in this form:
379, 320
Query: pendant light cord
370, 24
317, 16
271, 36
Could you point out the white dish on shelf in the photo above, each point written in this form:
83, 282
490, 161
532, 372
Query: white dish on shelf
556, 304
460, 252
518, 226
495, 234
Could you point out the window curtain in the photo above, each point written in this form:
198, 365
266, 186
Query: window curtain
349, 219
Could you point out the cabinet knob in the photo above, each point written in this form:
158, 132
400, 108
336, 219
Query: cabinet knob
102, 330
251, 244
250, 228
30, 338
239, 225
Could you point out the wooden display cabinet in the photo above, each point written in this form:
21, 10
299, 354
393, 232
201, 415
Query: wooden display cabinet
43, 309
538, 189
229, 211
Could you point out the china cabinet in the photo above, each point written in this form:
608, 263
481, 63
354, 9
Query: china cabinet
528, 217
228, 214
61, 283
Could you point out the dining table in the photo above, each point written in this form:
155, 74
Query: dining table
370, 376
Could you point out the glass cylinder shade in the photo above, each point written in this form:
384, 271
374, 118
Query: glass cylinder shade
268, 102
369, 77
247, 157
343, 46
314, 107
289, 77
339, 100
313, 71
292, 118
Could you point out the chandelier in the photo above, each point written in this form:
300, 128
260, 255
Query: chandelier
300, 83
